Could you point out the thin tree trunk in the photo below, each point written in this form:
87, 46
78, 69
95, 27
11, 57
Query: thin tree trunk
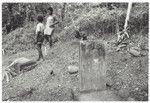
63, 11
128, 15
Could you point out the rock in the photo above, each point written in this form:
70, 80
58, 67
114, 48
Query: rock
124, 93
134, 52
122, 45
109, 83
72, 69
143, 53
137, 89
130, 99
96, 60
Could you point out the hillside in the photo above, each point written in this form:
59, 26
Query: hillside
97, 22
126, 75
57, 87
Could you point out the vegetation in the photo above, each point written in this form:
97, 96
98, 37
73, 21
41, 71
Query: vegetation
95, 19
99, 20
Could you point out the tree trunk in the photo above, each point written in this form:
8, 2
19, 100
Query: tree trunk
63, 11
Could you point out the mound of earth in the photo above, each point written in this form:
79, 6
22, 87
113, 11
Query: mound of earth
128, 76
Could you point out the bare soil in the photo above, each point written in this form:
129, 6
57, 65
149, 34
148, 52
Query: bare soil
127, 76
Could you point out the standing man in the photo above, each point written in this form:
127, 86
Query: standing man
50, 26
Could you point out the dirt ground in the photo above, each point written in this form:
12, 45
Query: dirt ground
127, 76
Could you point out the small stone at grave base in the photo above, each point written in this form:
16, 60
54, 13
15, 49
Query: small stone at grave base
130, 99
109, 83
72, 69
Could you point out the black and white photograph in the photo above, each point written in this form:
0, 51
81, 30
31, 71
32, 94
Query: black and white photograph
75, 51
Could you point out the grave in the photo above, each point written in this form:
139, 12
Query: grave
92, 69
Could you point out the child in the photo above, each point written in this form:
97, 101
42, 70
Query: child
50, 25
40, 36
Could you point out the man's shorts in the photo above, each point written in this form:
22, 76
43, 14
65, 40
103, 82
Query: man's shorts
40, 39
